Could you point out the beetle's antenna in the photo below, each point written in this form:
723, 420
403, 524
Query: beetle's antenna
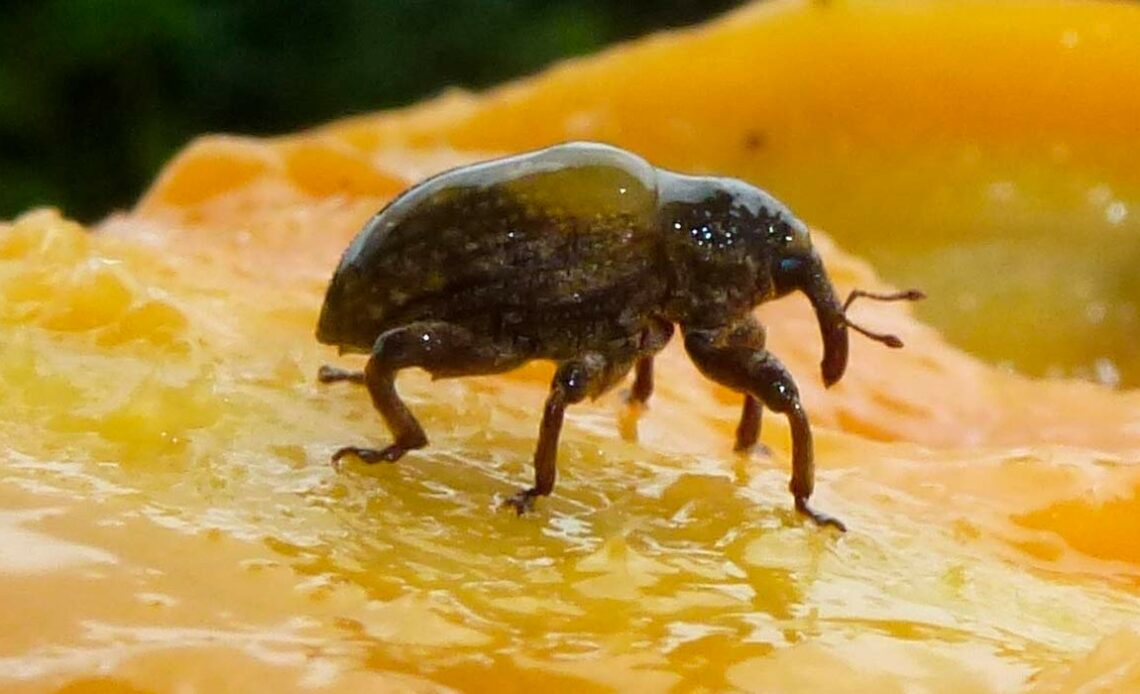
908, 295
889, 340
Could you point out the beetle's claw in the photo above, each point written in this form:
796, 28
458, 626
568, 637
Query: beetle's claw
819, 518
369, 455
521, 502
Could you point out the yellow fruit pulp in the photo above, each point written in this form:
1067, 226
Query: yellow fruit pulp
168, 517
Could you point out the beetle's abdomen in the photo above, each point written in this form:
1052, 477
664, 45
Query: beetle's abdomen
511, 269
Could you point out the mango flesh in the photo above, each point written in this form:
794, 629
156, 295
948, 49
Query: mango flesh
169, 518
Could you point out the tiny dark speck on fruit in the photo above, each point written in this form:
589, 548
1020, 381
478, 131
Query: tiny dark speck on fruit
754, 140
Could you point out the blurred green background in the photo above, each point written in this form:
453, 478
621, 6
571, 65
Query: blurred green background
96, 94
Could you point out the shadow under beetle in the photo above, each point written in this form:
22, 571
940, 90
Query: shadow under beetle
585, 255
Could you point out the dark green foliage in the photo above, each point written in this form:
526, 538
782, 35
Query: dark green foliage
96, 94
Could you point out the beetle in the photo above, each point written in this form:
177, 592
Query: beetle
588, 256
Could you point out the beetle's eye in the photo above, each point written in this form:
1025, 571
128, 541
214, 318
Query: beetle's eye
790, 266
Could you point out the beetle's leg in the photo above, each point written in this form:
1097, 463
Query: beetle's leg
748, 431
573, 381
752, 412
441, 349
654, 336
333, 374
642, 382
636, 399
380, 378
730, 356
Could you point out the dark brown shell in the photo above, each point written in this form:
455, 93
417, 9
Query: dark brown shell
558, 247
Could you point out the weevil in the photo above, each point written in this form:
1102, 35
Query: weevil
585, 255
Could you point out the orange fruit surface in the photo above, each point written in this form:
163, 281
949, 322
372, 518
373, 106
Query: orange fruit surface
169, 520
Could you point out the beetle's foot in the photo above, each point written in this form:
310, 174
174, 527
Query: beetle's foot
333, 374
821, 519
629, 417
371, 456
523, 501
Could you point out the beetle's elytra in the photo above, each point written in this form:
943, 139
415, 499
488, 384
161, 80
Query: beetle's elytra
586, 255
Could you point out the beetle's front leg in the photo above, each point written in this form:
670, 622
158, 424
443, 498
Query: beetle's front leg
734, 356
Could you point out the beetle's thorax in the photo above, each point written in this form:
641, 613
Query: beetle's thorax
718, 238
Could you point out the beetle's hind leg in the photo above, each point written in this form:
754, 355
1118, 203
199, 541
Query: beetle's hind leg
333, 374
379, 376
442, 349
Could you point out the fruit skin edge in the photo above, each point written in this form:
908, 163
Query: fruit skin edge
1084, 492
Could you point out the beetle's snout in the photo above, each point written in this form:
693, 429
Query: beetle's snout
804, 272
832, 326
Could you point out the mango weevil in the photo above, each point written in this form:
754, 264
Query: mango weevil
586, 255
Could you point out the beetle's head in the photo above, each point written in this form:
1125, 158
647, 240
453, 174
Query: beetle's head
797, 265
